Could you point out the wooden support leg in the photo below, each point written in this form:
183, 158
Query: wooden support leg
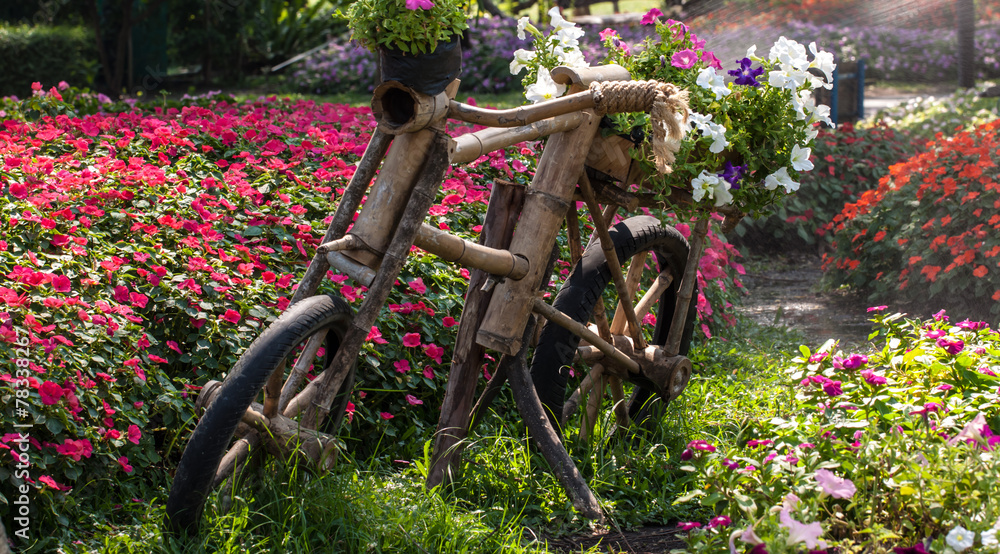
544, 435
456, 411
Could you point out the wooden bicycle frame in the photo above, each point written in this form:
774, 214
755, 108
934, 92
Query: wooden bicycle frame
374, 251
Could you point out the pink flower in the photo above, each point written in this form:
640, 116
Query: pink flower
798, 531
376, 336
386, 415
50, 393
951, 346
837, 487
818, 357
719, 521
449, 321
232, 316
607, 33
650, 17
419, 4
688, 525
877, 308
413, 400
418, 286
134, 434
434, 352
49, 481
428, 372
701, 445
402, 366
61, 283
871, 378
411, 340
832, 388
684, 59
710, 59
75, 449
123, 461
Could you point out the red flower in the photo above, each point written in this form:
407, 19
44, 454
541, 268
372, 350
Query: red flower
123, 461
50, 393
134, 434
434, 351
411, 340
417, 285
61, 283
449, 321
76, 449
232, 316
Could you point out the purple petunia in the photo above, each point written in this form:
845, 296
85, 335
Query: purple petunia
745, 75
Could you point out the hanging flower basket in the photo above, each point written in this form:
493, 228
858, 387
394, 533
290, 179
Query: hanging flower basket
427, 73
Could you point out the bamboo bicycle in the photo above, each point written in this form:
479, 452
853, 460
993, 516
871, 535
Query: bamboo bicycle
262, 400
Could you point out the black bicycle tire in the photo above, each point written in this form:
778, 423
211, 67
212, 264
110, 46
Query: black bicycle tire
581, 291
214, 432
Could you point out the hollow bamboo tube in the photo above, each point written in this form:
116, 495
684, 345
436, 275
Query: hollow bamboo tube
456, 249
613, 264
563, 320
471, 146
686, 291
618, 397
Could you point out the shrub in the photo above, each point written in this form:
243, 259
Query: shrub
927, 231
921, 119
848, 161
43, 53
875, 452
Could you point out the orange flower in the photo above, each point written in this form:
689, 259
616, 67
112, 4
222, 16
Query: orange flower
996, 295
931, 272
945, 220
915, 259
879, 236
980, 271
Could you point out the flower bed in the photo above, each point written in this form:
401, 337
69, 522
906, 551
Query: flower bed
890, 451
928, 231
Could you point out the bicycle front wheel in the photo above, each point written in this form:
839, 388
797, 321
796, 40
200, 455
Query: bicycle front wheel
634, 239
304, 337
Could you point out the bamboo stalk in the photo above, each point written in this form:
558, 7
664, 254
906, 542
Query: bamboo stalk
563, 320
378, 145
523, 115
613, 264
315, 400
653, 294
582, 390
618, 397
593, 408
543, 434
684, 295
471, 146
635, 271
299, 370
455, 249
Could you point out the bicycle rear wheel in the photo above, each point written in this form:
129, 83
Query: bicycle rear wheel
284, 344
584, 288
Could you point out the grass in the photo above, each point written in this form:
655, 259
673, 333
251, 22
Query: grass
505, 499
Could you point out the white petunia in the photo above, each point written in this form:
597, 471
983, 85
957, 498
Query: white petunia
752, 53
823, 61
704, 185
781, 178
811, 133
715, 131
960, 538
708, 79
567, 33
544, 88
989, 538
722, 194
800, 158
571, 57
789, 53
522, 59
522, 24
789, 78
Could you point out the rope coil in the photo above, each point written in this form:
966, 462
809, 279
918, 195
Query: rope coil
667, 106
